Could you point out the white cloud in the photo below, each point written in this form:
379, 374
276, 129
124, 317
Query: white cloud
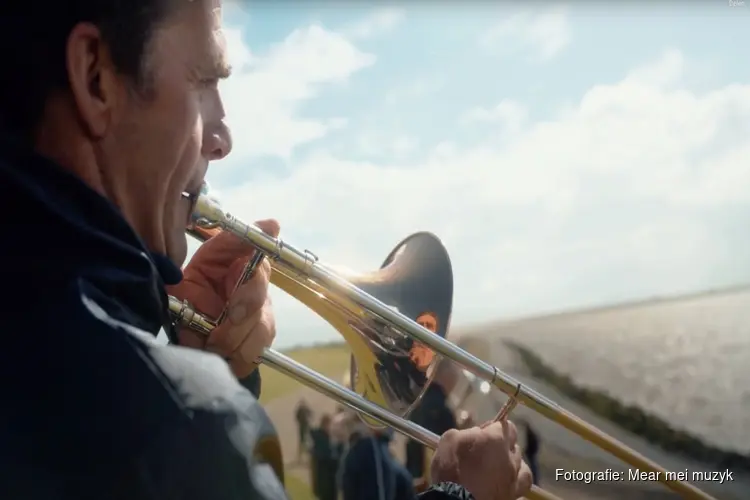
558, 212
542, 35
666, 72
240, 56
379, 22
268, 89
383, 144
510, 114
414, 89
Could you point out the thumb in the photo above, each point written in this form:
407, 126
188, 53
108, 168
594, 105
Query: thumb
217, 256
270, 226
220, 251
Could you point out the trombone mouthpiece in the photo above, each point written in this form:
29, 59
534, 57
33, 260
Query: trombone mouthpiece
207, 210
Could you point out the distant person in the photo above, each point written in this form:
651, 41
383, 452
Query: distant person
343, 425
371, 472
531, 449
324, 463
434, 414
302, 416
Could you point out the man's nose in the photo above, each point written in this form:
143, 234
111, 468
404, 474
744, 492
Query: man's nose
217, 142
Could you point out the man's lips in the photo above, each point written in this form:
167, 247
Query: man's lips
194, 188
190, 195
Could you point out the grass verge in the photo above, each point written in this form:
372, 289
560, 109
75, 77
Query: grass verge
331, 360
297, 489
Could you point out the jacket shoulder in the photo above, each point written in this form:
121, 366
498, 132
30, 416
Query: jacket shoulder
224, 428
134, 418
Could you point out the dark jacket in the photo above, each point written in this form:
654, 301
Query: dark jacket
367, 459
322, 447
434, 414
93, 407
359, 475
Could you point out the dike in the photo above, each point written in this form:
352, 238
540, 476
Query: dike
632, 418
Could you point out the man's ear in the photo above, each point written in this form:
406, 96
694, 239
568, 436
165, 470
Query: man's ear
92, 77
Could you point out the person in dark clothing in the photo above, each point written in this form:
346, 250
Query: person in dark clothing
109, 116
531, 450
434, 414
390, 480
253, 383
324, 461
302, 415
342, 424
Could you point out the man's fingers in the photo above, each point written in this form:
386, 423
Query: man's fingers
225, 247
249, 297
510, 432
524, 480
242, 360
189, 338
504, 430
217, 255
214, 258
244, 312
516, 458
262, 274
222, 249
270, 226
227, 337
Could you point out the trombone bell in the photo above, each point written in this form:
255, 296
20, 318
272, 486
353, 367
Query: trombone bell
388, 366
416, 279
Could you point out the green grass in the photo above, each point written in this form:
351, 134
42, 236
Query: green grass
297, 489
330, 360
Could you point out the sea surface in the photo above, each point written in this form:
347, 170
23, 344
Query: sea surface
686, 361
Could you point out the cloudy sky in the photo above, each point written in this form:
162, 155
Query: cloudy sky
566, 155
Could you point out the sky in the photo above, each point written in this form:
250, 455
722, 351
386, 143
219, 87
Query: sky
566, 155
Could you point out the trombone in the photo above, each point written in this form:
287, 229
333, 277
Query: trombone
395, 321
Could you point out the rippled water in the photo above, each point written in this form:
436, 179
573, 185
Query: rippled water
686, 361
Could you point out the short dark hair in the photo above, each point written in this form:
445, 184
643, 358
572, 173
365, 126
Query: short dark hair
34, 34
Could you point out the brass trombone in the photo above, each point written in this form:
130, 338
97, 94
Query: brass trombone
395, 321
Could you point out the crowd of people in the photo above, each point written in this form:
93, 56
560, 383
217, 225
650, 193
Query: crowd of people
349, 460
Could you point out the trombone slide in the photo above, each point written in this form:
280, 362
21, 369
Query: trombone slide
334, 297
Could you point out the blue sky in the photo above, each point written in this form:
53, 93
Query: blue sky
566, 155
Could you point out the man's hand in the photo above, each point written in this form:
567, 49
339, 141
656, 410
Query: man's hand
209, 286
420, 485
485, 460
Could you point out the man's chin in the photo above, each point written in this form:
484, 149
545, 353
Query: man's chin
177, 250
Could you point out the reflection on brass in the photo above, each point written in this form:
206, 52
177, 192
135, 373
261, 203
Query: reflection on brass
394, 354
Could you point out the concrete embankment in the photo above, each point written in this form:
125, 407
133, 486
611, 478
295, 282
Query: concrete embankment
562, 449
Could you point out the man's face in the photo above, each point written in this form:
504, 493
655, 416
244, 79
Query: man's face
160, 144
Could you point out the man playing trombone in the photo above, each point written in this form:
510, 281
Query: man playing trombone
109, 112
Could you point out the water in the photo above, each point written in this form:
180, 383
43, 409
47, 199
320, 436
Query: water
686, 361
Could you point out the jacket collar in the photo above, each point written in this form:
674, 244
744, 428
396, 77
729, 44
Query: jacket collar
60, 229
